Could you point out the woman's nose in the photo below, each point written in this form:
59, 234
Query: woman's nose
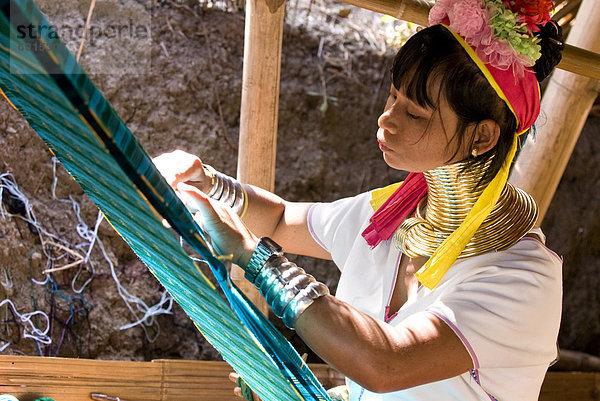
387, 121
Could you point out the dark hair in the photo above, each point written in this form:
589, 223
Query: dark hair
433, 53
552, 45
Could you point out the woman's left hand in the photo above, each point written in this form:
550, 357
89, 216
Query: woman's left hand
246, 393
228, 233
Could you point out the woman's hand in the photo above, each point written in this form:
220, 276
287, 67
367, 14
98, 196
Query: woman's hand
228, 233
242, 390
180, 166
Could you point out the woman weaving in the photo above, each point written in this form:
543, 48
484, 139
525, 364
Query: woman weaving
446, 290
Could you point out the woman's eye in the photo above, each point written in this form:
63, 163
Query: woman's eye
412, 116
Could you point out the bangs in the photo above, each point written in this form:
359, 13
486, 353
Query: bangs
419, 63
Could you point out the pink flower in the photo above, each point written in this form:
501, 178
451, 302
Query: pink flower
471, 19
468, 17
499, 54
439, 11
483, 37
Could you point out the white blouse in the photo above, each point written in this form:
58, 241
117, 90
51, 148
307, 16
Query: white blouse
505, 306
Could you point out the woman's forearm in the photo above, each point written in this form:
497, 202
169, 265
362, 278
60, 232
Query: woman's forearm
268, 215
379, 356
264, 211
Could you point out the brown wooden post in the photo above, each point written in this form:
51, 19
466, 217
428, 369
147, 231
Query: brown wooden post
259, 109
566, 104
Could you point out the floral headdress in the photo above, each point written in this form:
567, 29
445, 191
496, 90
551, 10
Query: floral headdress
499, 31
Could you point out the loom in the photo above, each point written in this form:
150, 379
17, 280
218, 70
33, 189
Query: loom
48, 87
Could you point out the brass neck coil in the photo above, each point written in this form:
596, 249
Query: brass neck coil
452, 192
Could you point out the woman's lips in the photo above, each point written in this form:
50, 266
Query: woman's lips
383, 147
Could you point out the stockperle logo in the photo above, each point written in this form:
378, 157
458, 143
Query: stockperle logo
94, 33
116, 42
35, 38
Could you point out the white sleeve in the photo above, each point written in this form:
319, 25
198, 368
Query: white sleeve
508, 313
336, 225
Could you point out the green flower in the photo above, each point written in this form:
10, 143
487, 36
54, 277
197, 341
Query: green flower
506, 26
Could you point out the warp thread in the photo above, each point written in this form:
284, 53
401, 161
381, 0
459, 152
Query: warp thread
144, 315
91, 237
29, 329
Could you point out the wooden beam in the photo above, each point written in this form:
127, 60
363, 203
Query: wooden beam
75, 379
580, 61
415, 11
570, 8
66, 379
566, 104
259, 108
571, 386
574, 60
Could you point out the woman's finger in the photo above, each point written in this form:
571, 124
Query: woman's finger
237, 391
242, 390
212, 214
194, 199
233, 376
179, 166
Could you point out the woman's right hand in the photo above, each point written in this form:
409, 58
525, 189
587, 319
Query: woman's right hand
182, 167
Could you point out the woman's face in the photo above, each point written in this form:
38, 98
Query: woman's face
417, 139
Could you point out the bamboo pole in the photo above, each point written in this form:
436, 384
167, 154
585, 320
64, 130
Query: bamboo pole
415, 11
566, 104
574, 59
580, 61
259, 108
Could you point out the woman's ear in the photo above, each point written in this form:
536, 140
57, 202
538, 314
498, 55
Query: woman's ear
487, 133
